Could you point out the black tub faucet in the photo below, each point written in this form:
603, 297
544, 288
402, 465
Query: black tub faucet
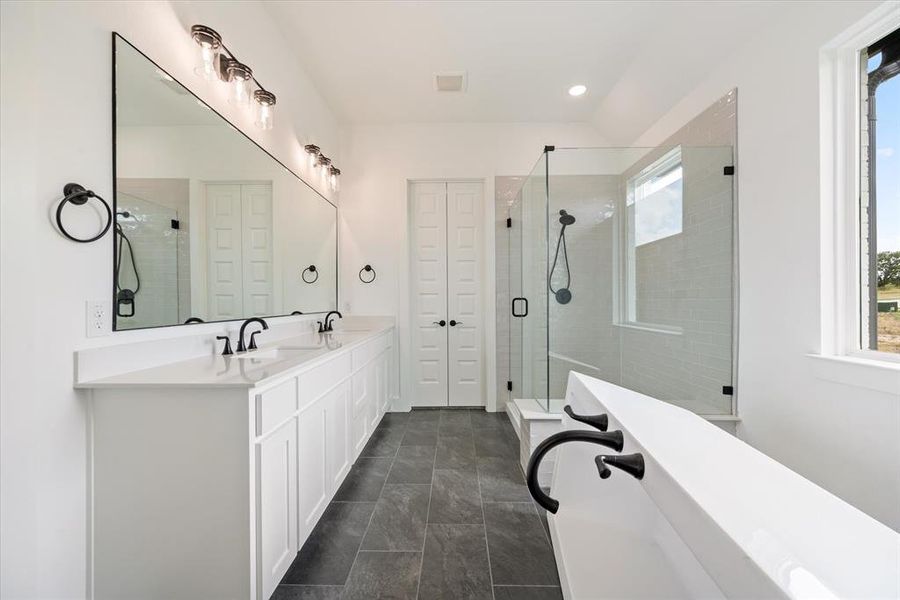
612, 439
241, 346
329, 322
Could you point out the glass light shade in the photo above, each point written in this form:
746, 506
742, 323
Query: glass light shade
324, 164
334, 178
209, 42
206, 68
312, 155
239, 78
265, 108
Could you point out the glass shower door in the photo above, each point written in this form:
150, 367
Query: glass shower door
529, 335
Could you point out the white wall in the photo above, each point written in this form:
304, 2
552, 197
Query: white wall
380, 160
56, 127
844, 437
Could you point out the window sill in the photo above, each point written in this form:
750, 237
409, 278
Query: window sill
651, 328
879, 375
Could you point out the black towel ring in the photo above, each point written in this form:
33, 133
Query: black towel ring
77, 195
311, 269
367, 268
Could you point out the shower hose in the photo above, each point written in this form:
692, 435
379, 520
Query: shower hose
563, 295
125, 296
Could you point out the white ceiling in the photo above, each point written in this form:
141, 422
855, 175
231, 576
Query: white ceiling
373, 61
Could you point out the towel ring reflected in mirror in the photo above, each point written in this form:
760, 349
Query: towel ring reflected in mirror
314, 277
77, 195
367, 269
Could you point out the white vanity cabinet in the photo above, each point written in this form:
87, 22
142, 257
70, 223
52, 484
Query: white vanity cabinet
209, 490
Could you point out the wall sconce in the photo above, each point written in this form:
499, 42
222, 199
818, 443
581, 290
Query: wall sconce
334, 180
216, 59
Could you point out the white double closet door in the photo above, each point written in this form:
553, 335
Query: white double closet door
239, 250
446, 272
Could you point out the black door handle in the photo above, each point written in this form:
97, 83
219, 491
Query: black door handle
455, 323
514, 313
600, 422
612, 439
441, 322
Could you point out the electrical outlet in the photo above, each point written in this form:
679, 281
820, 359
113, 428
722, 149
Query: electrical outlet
98, 317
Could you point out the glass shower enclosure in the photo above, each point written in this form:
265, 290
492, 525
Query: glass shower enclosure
621, 267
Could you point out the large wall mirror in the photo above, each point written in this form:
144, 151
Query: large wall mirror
208, 225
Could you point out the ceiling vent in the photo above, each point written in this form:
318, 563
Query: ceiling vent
450, 81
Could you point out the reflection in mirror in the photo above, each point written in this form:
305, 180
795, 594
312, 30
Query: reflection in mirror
208, 225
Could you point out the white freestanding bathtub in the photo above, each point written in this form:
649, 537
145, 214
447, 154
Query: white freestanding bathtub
711, 517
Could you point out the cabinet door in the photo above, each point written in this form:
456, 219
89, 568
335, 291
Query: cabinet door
337, 419
314, 482
382, 383
276, 507
372, 407
386, 381
359, 420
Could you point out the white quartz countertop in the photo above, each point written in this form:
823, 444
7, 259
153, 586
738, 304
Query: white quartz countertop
805, 541
251, 369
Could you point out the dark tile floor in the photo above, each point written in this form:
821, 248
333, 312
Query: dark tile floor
435, 508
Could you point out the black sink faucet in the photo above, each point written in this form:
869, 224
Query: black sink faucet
329, 322
241, 346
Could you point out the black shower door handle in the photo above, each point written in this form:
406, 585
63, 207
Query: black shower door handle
514, 313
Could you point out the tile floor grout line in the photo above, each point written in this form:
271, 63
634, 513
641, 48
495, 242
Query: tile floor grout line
372, 516
428, 512
522, 585
487, 544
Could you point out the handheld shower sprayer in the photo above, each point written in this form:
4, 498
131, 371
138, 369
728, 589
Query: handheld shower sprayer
563, 295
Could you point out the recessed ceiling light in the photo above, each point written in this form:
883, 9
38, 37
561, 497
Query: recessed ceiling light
577, 90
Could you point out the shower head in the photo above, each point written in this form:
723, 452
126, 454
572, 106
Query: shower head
565, 218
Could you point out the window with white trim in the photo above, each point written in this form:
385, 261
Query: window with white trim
653, 212
879, 208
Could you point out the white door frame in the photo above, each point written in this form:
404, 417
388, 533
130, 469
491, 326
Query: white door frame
404, 317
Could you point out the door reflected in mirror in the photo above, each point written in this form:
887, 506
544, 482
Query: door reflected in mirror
208, 225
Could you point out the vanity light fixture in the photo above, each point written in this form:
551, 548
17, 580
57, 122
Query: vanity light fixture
335, 180
217, 60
